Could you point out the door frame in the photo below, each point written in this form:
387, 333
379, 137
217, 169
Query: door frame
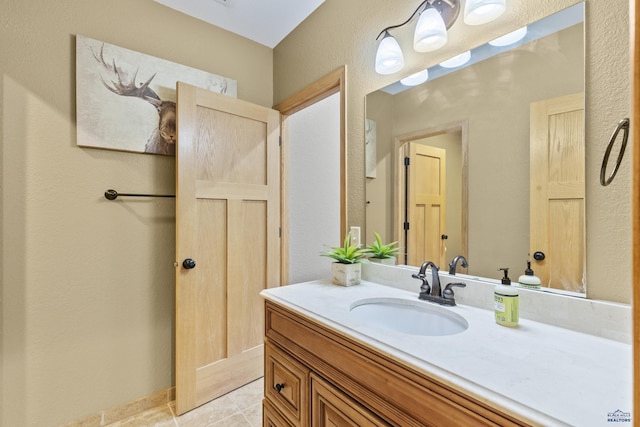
334, 82
635, 129
399, 178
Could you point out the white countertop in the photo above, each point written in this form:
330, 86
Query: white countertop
545, 374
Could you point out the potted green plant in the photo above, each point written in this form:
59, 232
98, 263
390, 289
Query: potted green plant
346, 271
382, 253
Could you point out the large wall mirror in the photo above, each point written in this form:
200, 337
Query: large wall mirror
501, 140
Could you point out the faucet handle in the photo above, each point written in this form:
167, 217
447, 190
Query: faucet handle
424, 288
448, 292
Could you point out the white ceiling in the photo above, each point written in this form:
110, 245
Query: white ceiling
264, 21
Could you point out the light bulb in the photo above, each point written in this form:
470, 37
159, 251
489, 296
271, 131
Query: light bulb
478, 12
431, 32
389, 57
457, 60
416, 78
510, 38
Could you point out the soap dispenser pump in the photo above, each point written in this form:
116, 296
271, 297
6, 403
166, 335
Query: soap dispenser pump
528, 280
506, 305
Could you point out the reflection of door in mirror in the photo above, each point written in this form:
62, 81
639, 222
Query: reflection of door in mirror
557, 192
454, 215
450, 138
426, 204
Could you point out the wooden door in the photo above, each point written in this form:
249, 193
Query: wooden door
557, 192
227, 220
426, 204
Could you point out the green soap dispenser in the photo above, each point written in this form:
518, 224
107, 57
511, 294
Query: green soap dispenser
528, 280
505, 302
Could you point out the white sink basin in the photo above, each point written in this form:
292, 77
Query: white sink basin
408, 317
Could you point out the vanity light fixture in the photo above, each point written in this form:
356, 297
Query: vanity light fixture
389, 58
436, 17
431, 32
416, 78
510, 38
478, 12
457, 60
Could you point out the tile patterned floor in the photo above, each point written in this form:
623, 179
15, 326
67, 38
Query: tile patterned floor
240, 408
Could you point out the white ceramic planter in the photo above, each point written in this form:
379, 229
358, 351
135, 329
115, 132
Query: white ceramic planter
346, 274
385, 261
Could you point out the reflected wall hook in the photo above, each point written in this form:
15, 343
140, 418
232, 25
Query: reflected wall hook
624, 126
113, 194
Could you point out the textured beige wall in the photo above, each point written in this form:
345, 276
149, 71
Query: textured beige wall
344, 33
88, 284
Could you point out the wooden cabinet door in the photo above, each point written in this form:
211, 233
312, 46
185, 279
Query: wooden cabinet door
286, 385
271, 417
227, 221
331, 408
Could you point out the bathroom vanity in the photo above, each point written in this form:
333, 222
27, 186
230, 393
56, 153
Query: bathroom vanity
324, 366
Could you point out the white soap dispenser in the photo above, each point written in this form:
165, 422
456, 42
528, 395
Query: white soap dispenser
505, 302
528, 280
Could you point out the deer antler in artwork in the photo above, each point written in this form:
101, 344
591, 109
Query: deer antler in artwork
164, 137
127, 88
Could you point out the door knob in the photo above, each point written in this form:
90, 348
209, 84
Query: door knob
188, 263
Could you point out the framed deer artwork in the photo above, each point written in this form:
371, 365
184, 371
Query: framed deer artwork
125, 100
370, 148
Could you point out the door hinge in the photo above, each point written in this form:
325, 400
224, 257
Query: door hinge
280, 141
406, 161
406, 226
280, 232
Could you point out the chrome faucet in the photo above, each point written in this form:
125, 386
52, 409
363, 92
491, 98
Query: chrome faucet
452, 265
434, 293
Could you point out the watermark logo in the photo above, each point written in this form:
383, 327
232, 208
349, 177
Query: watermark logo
619, 416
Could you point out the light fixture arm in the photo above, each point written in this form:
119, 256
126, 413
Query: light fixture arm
449, 16
405, 22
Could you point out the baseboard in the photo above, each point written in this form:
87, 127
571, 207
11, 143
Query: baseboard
126, 410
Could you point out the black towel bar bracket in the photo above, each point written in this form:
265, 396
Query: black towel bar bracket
113, 194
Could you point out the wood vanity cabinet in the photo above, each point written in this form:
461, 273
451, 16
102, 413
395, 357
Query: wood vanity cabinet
317, 377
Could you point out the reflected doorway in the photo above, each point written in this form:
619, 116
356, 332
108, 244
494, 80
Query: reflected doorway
448, 237
425, 211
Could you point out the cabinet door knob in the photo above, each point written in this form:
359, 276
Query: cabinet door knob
279, 387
